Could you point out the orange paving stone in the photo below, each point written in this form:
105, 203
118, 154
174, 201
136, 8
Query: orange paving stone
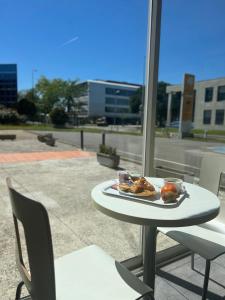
36, 156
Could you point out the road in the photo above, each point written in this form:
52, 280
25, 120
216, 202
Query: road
168, 151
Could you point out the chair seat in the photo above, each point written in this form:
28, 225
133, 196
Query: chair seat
90, 273
208, 239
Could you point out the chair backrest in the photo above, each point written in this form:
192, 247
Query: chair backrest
212, 166
40, 280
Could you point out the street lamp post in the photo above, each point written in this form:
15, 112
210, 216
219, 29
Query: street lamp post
32, 78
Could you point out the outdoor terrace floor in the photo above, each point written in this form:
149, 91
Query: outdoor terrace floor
63, 185
178, 281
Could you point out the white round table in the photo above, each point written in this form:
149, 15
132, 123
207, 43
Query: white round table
198, 207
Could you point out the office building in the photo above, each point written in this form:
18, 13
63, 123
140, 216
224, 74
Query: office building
8, 84
109, 99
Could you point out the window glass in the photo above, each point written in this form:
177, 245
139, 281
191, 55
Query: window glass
122, 101
119, 92
175, 106
122, 110
111, 109
221, 93
208, 94
207, 116
219, 117
109, 101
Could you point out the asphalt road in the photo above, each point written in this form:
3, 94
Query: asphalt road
168, 151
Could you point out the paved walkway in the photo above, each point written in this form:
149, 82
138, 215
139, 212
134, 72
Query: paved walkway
62, 183
38, 156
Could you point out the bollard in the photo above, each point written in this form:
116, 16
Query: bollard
103, 138
82, 140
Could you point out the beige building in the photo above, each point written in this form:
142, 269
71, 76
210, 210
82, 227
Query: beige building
208, 107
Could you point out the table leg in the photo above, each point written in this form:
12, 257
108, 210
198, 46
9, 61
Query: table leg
149, 252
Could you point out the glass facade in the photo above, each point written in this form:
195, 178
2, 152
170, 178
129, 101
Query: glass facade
8, 84
219, 117
111, 109
119, 92
208, 94
221, 93
110, 101
115, 101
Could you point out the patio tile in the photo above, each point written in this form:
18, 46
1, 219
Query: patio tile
164, 291
35, 156
181, 277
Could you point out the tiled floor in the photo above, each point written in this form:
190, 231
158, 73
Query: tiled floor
38, 156
178, 281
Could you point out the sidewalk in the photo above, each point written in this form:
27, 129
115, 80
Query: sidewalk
61, 178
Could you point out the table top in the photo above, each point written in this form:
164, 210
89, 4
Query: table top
200, 206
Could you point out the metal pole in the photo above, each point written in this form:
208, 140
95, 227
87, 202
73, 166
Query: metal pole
82, 139
151, 82
103, 138
32, 78
148, 237
150, 234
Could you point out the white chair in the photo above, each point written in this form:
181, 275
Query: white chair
208, 239
88, 273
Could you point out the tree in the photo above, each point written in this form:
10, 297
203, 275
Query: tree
26, 107
136, 100
29, 94
50, 93
58, 116
161, 105
59, 93
72, 91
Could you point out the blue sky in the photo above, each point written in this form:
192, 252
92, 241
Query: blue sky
105, 39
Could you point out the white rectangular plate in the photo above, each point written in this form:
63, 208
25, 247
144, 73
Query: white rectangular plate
154, 201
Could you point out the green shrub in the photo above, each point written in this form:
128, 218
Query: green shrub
26, 107
107, 149
9, 116
58, 116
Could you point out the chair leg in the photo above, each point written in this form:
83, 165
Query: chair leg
18, 290
206, 279
193, 261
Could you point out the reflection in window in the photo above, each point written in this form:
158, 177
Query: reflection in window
219, 117
221, 93
110, 101
208, 94
122, 101
116, 101
207, 117
110, 109
119, 92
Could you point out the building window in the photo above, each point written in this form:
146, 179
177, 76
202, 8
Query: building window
117, 110
110, 109
219, 117
110, 101
208, 94
122, 102
116, 101
122, 110
207, 117
221, 93
119, 92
